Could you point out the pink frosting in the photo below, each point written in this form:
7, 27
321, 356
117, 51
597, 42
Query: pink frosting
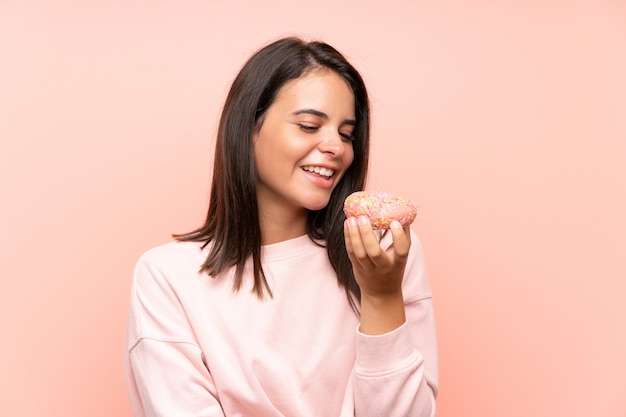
380, 207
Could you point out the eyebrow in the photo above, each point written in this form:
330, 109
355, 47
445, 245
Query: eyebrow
322, 115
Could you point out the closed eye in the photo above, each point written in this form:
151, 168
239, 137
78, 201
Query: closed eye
347, 137
308, 128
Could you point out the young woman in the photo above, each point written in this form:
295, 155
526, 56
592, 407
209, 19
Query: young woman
278, 305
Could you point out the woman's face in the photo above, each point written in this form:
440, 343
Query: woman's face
304, 144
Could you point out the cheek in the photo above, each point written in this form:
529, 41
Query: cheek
348, 156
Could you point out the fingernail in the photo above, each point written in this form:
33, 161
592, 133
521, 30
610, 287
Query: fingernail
352, 221
363, 220
396, 225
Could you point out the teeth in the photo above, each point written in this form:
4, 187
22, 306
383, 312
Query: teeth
325, 172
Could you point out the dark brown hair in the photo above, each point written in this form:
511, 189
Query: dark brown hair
232, 222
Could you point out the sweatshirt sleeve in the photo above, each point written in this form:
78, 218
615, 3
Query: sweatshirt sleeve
396, 373
164, 366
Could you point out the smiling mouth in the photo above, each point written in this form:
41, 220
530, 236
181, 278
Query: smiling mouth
322, 172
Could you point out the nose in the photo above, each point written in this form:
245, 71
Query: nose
332, 144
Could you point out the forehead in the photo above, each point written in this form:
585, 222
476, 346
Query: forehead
320, 86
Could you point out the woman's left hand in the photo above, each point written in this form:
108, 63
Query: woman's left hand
378, 272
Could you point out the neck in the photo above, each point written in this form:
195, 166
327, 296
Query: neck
277, 228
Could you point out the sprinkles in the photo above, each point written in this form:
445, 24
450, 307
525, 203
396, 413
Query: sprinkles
381, 208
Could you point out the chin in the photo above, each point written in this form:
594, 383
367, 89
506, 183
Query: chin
318, 204
314, 200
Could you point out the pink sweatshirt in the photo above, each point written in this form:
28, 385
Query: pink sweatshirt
196, 348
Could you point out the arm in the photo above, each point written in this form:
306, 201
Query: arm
396, 362
165, 371
379, 273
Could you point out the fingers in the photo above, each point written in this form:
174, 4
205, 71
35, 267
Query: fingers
363, 244
358, 241
401, 239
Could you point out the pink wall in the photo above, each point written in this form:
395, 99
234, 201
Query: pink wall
506, 124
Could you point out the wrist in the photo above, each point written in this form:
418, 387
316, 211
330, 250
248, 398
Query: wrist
381, 313
382, 299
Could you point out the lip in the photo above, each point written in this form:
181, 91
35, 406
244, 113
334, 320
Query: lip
334, 168
318, 180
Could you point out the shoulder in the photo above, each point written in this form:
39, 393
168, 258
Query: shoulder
417, 250
170, 260
173, 252
415, 273
163, 288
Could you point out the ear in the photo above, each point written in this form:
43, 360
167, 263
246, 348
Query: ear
256, 129
255, 134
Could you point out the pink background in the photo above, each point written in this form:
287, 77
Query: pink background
505, 121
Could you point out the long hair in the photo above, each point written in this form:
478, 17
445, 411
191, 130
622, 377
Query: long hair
232, 222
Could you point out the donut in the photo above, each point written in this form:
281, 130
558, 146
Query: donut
381, 208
